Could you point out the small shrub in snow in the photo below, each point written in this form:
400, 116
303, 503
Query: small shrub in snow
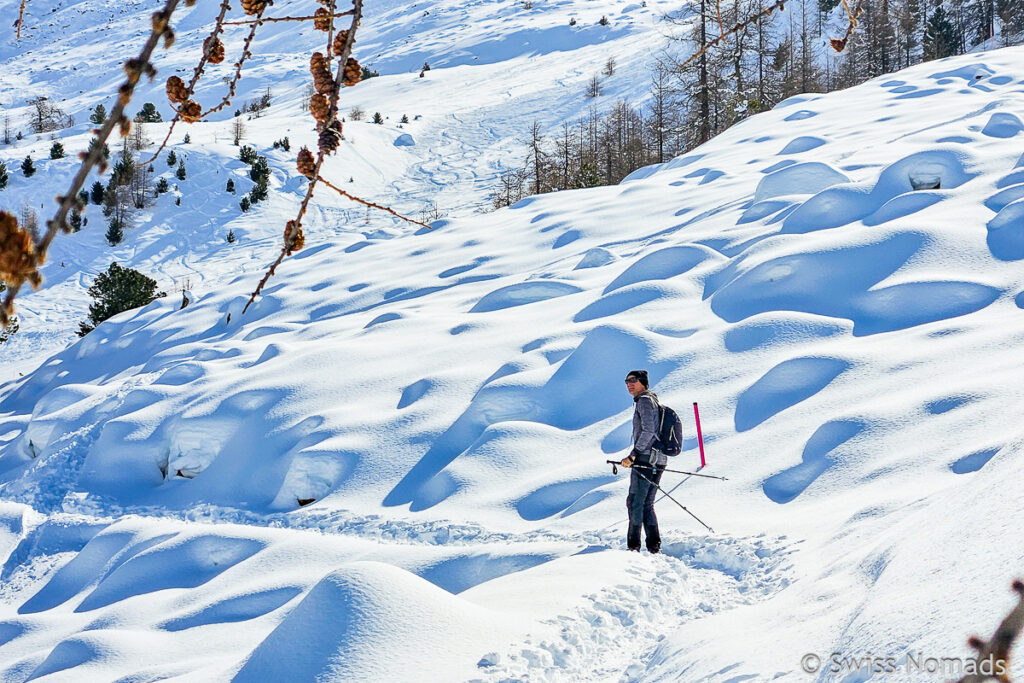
244, 204
75, 220
231, 237
187, 139
260, 171
56, 150
115, 233
603, 20
180, 173
148, 114
117, 290
356, 113
230, 186
258, 193
98, 115
172, 158
377, 118
162, 186
248, 154
405, 118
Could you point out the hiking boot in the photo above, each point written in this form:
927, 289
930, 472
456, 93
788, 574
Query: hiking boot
654, 549
634, 549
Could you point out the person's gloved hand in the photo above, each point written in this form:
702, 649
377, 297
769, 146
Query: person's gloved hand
628, 460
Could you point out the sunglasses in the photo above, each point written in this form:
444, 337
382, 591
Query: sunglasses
631, 380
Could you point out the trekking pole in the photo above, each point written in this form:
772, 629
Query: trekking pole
675, 501
615, 470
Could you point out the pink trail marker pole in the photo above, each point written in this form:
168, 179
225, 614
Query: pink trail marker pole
700, 437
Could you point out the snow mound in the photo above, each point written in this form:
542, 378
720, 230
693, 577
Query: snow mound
342, 626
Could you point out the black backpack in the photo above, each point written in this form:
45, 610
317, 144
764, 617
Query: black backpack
670, 431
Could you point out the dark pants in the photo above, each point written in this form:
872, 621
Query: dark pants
640, 503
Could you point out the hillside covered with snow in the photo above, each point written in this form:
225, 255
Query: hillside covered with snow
836, 281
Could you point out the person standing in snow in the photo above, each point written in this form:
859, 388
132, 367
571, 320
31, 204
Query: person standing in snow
648, 464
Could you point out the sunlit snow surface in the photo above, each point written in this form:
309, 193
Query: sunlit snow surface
449, 396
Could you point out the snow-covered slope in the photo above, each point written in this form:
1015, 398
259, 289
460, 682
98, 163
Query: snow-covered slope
497, 67
449, 396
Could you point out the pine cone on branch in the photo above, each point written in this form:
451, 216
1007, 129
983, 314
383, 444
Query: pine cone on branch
294, 239
330, 137
319, 107
190, 111
214, 50
254, 7
339, 41
353, 72
18, 262
322, 22
322, 80
176, 90
306, 164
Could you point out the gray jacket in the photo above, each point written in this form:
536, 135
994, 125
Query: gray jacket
646, 416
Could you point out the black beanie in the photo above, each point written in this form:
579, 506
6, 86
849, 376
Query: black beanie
640, 375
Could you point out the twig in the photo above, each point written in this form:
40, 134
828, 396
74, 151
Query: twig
135, 68
238, 67
371, 204
718, 10
271, 20
996, 652
21, 13
839, 44
777, 5
217, 29
293, 227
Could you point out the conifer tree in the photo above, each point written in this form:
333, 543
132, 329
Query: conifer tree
117, 290
3, 175
245, 204
231, 186
231, 237
149, 114
939, 36
172, 158
115, 231
248, 154
98, 115
56, 150
27, 167
75, 220
97, 192
180, 173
